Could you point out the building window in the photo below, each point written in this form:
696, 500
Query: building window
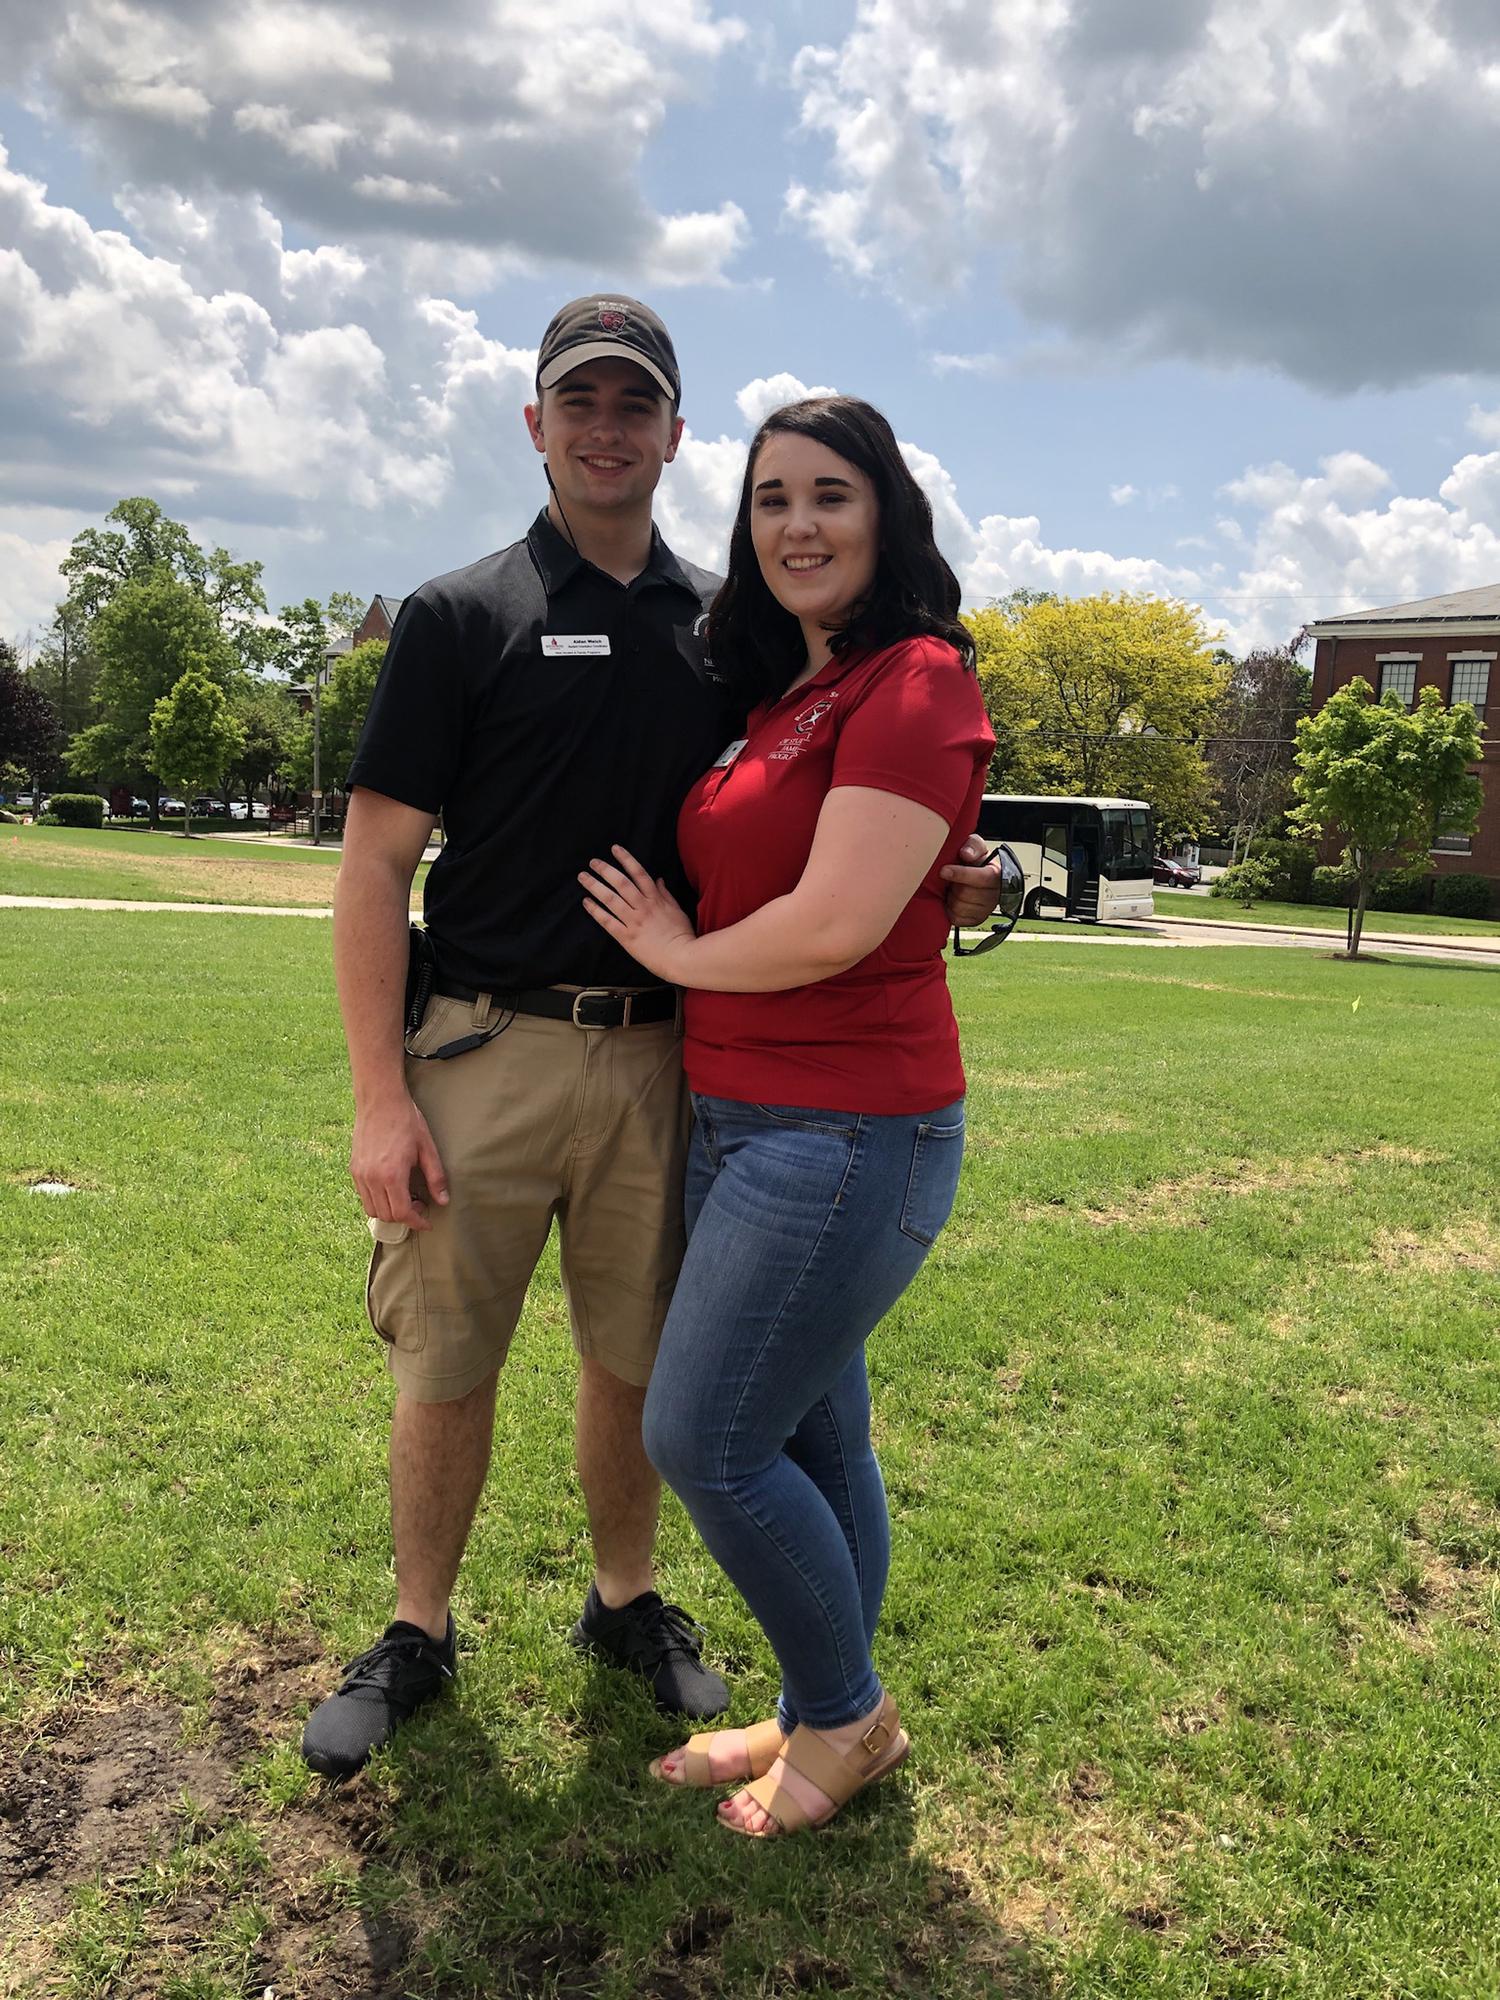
1398, 677
1471, 682
1452, 843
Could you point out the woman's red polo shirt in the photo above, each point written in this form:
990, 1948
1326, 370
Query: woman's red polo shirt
880, 1037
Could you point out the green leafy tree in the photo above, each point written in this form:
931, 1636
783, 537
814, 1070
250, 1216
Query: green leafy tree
153, 630
1104, 695
102, 560
345, 703
1387, 778
28, 724
272, 726
194, 737
65, 668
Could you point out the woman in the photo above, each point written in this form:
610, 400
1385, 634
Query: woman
821, 1048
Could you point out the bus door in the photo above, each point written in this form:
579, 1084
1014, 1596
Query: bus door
1083, 864
1055, 859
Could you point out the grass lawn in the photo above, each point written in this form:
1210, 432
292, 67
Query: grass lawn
1190, 1431
1316, 916
164, 867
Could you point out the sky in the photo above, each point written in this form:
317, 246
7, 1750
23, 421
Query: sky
1199, 297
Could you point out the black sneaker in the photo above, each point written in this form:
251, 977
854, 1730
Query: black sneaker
404, 1669
658, 1641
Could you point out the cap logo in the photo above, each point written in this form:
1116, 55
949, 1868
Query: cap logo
612, 317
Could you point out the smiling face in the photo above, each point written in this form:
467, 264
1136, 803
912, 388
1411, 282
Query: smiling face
815, 529
606, 430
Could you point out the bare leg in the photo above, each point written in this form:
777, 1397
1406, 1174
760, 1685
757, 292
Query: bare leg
440, 1453
620, 1486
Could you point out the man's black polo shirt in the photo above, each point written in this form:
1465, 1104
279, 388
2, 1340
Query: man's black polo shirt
545, 711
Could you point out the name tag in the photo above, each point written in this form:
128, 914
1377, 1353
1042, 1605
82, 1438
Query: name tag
573, 645
727, 756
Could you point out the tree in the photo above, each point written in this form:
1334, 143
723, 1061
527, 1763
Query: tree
1388, 778
102, 560
65, 668
153, 630
272, 727
345, 703
28, 723
194, 737
1250, 751
1105, 695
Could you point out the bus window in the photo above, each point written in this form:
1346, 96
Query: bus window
1055, 847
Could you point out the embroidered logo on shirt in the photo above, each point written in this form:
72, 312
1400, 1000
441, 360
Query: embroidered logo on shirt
804, 723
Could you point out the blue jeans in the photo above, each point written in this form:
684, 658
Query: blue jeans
804, 1228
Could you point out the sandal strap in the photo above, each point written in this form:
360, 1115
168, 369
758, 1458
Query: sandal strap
840, 1777
763, 1742
790, 1815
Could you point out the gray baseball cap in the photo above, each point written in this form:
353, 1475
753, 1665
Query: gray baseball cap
598, 327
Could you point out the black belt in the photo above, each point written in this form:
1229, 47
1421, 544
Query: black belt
594, 1007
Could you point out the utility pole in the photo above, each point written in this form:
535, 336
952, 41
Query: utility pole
317, 783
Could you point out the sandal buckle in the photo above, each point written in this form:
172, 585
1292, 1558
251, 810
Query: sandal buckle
875, 1738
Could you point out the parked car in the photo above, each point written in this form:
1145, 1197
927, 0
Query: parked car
171, 806
1175, 874
209, 808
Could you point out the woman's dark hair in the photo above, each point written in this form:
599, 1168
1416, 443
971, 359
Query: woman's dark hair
756, 645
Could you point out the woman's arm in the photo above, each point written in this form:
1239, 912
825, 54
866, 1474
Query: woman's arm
870, 854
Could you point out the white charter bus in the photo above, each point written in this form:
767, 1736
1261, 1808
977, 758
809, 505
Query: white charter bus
1089, 859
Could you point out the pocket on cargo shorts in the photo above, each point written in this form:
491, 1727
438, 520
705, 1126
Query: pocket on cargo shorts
932, 1182
393, 1287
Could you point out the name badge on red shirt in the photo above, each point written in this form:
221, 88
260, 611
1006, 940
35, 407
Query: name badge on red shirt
728, 754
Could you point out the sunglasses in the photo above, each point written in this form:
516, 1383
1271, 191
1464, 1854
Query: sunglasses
1007, 910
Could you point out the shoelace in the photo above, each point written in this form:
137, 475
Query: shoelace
675, 1632
380, 1668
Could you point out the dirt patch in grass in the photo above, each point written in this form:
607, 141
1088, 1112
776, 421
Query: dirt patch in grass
1191, 1199
1473, 1245
213, 873
114, 1800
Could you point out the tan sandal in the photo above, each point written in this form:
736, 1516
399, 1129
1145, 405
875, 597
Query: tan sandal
763, 1745
879, 1751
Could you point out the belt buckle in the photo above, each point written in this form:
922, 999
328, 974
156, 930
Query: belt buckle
600, 993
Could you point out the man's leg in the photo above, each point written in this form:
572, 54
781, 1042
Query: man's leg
620, 1486
440, 1453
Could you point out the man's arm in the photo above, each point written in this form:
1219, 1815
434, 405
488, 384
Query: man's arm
393, 1160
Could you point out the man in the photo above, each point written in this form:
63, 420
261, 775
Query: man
547, 701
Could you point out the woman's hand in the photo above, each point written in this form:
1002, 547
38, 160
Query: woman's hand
640, 914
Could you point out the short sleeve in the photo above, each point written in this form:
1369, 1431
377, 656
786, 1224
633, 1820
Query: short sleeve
918, 729
410, 746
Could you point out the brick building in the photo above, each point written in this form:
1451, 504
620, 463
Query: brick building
1451, 643
378, 620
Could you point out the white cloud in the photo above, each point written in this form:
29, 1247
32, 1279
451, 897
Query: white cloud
771, 392
1121, 496
479, 125
1293, 183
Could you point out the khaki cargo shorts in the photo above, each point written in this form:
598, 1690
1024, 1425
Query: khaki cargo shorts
589, 1125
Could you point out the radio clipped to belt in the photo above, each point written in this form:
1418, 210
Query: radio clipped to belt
422, 986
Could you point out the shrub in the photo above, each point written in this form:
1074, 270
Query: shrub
1333, 887
1291, 863
76, 809
1247, 883
1408, 890
1462, 895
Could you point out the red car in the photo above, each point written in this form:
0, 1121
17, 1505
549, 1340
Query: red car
1175, 874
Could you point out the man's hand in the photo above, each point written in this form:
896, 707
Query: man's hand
973, 884
395, 1165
